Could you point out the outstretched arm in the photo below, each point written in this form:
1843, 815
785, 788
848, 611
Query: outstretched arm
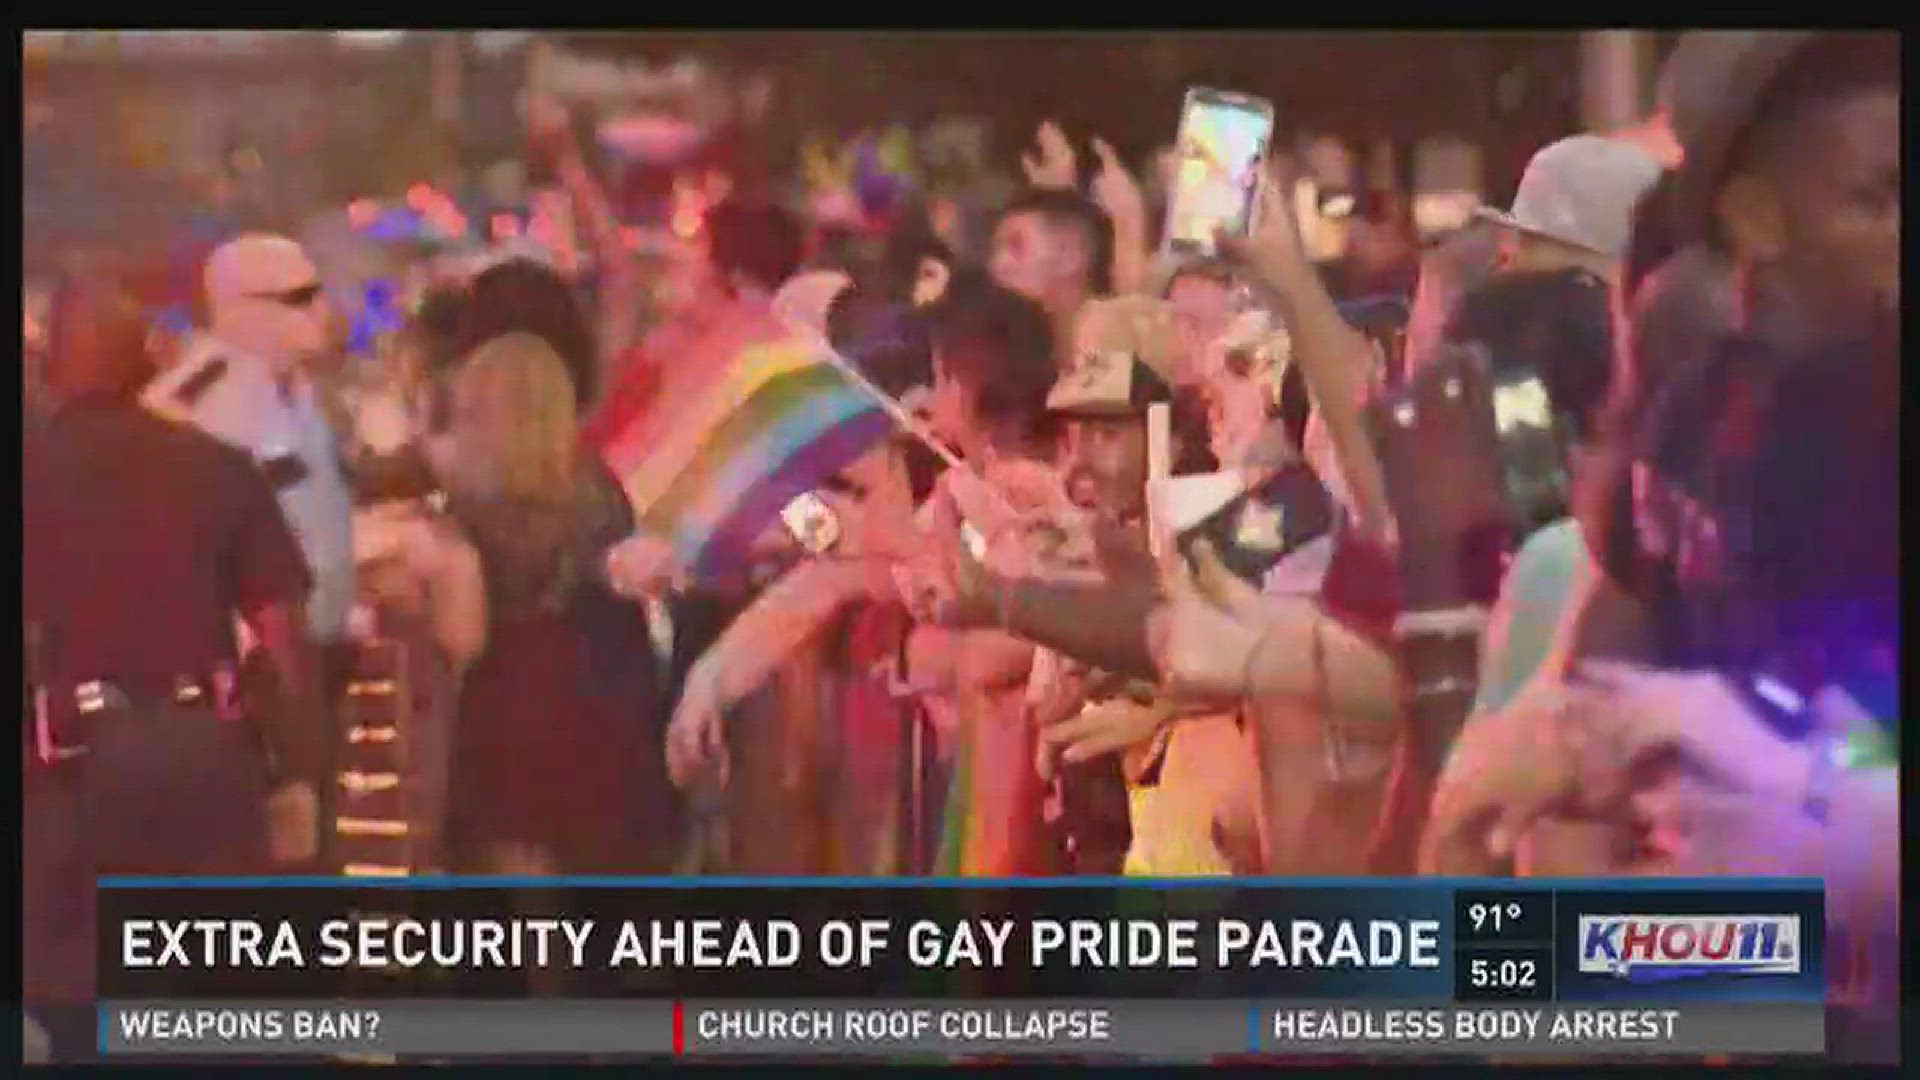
620, 288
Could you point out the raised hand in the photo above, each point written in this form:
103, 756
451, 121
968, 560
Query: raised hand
1055, 165
1273, 245
293, 823
1634, 712
1114, 188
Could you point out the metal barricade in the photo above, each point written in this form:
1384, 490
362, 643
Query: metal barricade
396, 716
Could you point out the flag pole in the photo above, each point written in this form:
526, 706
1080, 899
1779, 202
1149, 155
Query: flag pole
906, 421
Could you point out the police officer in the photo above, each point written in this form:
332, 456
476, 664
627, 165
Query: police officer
142, 539
246, 383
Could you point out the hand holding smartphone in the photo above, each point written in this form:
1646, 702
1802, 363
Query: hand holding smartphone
1439, 447
1219, 155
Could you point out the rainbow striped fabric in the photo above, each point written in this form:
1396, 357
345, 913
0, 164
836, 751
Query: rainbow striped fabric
777, 419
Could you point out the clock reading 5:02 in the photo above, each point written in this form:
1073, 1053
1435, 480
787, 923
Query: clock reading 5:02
1508, 974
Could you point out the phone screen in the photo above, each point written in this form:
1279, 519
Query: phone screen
1521, 405
1222, 143
812, 522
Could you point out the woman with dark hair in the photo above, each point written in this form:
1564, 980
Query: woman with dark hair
915, 263
992, 368
1749, 546
523, 294
435, 327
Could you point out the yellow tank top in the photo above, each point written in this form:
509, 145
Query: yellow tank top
1208, 761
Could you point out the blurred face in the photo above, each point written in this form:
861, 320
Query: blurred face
97, 343
1033, 259
1105, 461
1202, 310
295, 322
1838, 206
874, 502
688, 281
930, 281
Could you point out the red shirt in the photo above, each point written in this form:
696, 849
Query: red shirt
630, 395
672, 363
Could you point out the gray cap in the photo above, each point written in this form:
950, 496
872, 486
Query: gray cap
1581, 191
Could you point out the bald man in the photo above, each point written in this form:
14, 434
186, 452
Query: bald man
245, 382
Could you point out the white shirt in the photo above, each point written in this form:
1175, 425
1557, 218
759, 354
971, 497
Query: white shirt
242, 405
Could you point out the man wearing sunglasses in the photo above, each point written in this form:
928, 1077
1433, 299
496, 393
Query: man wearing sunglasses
245, 380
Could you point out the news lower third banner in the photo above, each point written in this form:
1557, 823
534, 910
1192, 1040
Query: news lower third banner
444, 967
906, 1029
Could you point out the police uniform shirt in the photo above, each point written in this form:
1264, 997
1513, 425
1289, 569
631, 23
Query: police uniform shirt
142, 537
234, 397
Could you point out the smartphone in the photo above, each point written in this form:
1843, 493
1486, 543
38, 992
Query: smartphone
812, 522
1218, 159
1266, 523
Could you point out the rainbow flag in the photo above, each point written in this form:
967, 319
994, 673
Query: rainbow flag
779, 420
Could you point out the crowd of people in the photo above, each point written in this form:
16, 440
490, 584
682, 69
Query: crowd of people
1677, 657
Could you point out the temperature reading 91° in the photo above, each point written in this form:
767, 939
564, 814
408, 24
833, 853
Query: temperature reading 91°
1487, 918
1505, 917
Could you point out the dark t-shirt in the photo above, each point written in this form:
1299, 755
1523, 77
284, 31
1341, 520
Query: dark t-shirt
142, 539
1758, 518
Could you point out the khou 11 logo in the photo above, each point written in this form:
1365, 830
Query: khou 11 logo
1655, 948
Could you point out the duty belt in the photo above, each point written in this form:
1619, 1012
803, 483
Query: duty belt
59, 721
217, 692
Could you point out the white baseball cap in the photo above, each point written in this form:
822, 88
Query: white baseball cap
1581, 191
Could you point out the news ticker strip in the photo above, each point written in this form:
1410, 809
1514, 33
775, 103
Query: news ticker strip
1482, 942
905, 1029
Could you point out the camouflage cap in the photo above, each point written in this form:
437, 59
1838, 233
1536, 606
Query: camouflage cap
1108, 384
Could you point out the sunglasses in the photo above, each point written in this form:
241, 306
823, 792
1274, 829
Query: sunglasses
300, 297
